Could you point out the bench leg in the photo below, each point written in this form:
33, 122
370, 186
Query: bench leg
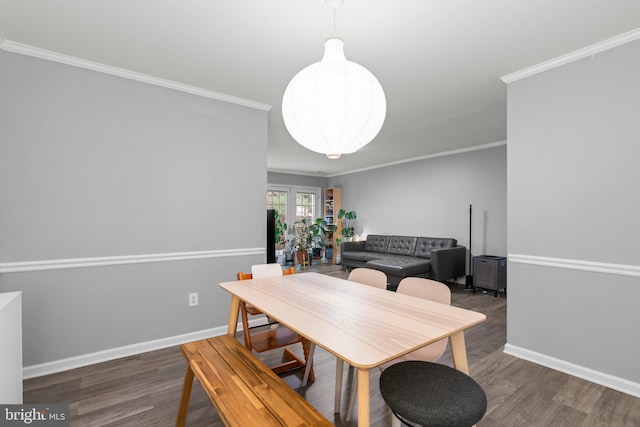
186, 396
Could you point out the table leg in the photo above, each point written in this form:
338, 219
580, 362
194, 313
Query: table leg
232, 327
363, 397
459, 352
352, 398
186, 396
339, 371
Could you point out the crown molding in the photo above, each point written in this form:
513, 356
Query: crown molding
428, 156
574, 56
293, 172
127, 74
398, 162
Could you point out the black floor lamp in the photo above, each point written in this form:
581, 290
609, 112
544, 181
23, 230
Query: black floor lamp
469, 278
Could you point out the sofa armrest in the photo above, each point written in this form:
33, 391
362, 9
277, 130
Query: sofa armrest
448, 263
353, 246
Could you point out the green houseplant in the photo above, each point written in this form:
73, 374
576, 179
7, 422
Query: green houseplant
348, 231
319, 230
303, 238
281, 228
311, 234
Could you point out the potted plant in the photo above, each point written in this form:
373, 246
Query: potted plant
290, 249
348, 230
319, 230
281, 229
303, 238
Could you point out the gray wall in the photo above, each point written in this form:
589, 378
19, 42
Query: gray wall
431, 197
574, 240
93, 165
288, 179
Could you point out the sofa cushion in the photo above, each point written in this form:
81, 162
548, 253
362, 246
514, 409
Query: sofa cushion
361, 256
376, 243
402, 245
425, 244
401, 266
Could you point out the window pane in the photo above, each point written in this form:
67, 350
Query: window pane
305, 205
278, 200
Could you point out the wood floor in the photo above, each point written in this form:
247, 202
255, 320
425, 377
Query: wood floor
144, 390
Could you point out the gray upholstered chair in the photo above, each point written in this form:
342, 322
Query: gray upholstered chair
431, 394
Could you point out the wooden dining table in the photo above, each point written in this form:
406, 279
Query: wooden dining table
361, 325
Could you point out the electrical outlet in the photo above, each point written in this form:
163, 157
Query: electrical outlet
193, 299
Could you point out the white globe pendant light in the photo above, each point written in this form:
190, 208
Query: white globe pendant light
334, 106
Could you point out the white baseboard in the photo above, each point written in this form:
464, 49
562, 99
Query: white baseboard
125, 351
607, 380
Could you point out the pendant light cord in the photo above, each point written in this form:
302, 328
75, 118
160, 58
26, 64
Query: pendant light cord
334, 5
334, 22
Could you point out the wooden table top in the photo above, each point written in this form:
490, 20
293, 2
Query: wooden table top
360, 324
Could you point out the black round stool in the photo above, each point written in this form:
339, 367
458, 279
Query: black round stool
431, 394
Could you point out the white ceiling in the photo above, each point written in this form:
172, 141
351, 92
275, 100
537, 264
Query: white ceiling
439, 62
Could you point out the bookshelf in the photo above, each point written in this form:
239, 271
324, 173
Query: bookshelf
332, 204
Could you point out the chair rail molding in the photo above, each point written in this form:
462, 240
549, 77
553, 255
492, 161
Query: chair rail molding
573, 264
57, 264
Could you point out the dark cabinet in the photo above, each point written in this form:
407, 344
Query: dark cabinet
490, 272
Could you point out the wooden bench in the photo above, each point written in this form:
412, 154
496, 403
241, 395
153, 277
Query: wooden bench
244, 391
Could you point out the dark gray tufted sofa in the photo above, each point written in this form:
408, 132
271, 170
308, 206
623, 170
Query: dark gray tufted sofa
406, 256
